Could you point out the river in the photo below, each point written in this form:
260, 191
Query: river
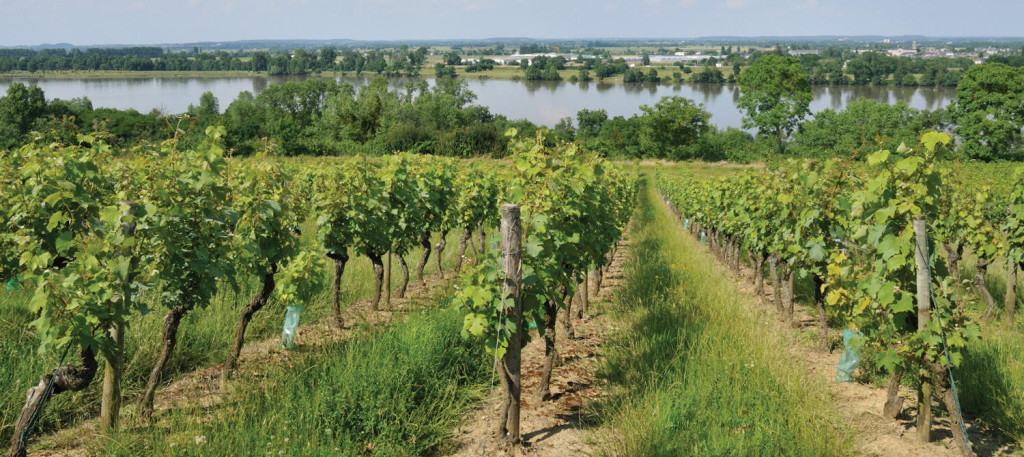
540, 102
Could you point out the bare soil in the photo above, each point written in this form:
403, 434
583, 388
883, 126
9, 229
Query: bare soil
563, 425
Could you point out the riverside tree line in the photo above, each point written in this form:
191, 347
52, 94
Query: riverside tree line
326, 117
830, 65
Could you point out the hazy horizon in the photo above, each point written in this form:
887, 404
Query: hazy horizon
499, 39
127, 22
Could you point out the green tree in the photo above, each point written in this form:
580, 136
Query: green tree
989, 110
709, 75
646, 59
451, 58
208, 106
908, 79
293, 109
417, 57
590, 122
259, 61
652, 76
244, 121
352, 61
633, 75
358, 118
22, 106
865, 125
672, 125
375, 62
444, 71
327, 57
776, 96
551, 73
564, 129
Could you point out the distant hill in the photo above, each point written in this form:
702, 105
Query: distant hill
597, 42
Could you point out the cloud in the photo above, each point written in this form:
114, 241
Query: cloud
687, 3
608, 7
733, 4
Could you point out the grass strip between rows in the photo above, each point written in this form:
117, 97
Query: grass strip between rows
697, 371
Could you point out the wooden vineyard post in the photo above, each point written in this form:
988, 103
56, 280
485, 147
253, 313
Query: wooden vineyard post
110, 403
387, 281
512, 259
586, 294
1010, 301
924, 302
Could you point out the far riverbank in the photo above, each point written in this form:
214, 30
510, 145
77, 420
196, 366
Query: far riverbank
507, 73
541, 102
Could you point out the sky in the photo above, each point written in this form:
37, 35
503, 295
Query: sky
96, 22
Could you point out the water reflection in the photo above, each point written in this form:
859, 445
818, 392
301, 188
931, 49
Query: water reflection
932, 100
835, 97
259, 83
543, 102
534, 86
632, 88
708, 92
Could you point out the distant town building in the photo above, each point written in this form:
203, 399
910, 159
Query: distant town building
505, 60
670, 59
899, 52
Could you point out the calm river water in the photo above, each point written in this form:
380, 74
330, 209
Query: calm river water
540, 102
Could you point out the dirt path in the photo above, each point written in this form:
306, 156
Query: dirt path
202, 387
860, 404
559, 427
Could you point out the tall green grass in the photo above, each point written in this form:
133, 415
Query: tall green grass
990, 381
696, 372
202, 341
399, 391
991, 378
